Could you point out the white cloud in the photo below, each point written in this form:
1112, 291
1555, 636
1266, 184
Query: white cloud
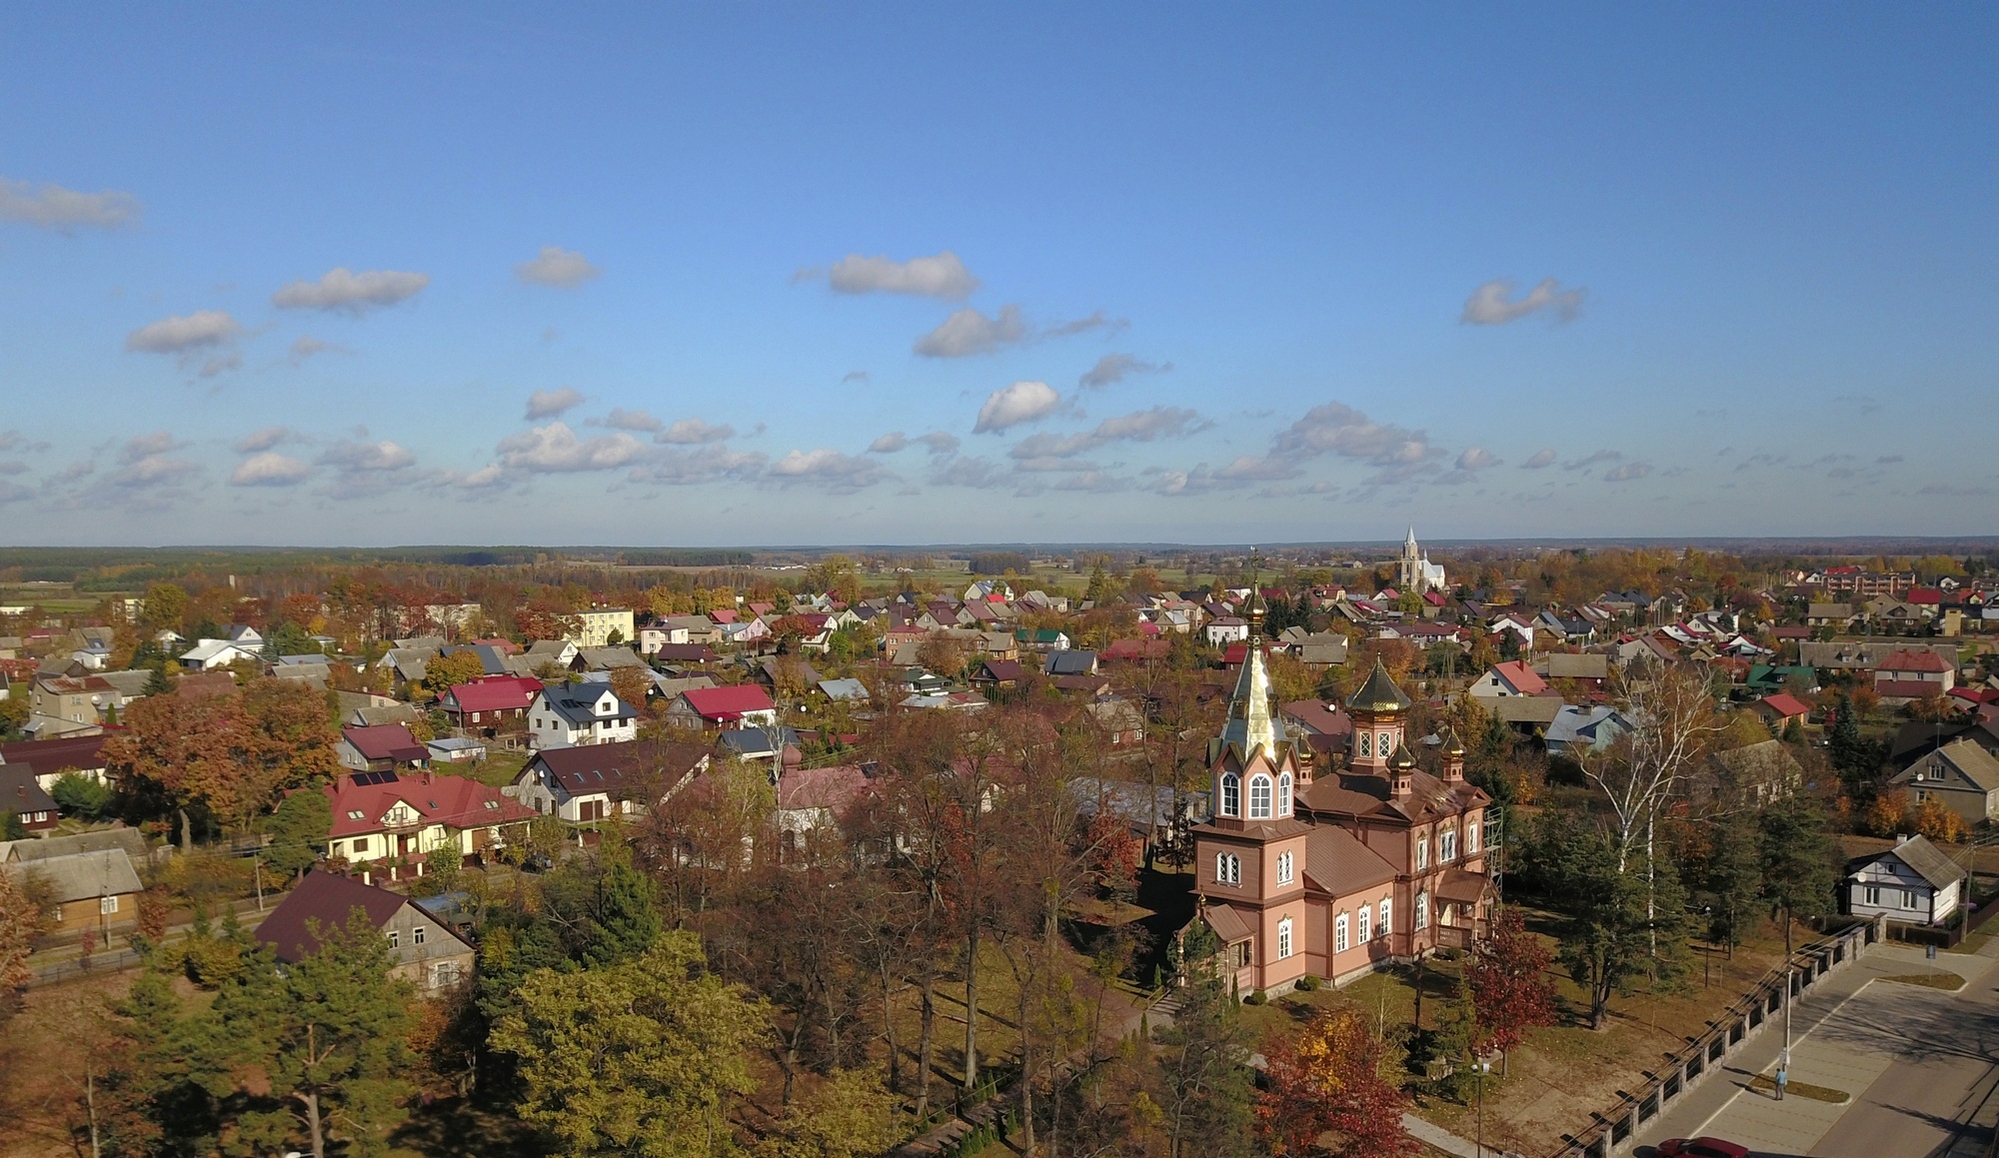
15, 440
694, 432
970, 332
147, 464
1114, 368
367, 456
1477, 458
556, 266
264, 439
889, 443
1593, 459
555, 448
838, 472
708, 464
1540, 458
305, 346
61, 210
1015, 404
961, 470
203, 329
937, 442
853, 376
1340, 429
269, 469
549, 403
942, 276
1138, 426
1488, 304
489, 475
1627, 472
622, 419
1096, 321
351, 293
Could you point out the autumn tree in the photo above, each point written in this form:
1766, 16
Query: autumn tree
1507, 977
442, 673
1326, 1090
941, 654
850, 1116
642, 1057
20, 924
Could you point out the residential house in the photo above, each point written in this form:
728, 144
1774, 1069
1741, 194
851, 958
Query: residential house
387, 748
489, 706
1120, 722
1837, 616
844, 691
1135, 651
998, 673
602, 627
1315, 649
569, 715
22, 794
1157, 814
683, 654
1914, 882
1911, 675
651, 639
50, 759
1750, 776
402, 821
1590, 668
425, 951
1781, 711
1070, 663
1042, 639
1961, 775
550, 653
1579, 731
811, 799
70, 705
1513, 678
592, 782
739, 706
96, 889
1226, 630
455, 750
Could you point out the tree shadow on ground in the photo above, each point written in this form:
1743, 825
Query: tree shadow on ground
456, 1128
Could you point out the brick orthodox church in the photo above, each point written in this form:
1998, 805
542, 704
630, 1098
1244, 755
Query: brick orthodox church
1337, 870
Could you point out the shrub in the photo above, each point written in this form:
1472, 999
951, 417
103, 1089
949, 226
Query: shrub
81, 795
1307, 983
1256, 997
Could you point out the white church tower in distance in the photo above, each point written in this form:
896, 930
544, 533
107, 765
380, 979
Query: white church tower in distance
1414, 571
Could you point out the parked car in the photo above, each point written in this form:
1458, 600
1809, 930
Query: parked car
1701, 1148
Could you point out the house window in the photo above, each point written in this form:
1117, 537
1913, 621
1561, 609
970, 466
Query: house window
360, 844
1283, 868
1447, 846
1365, 930
395, 939
1366, 747
416, 935
1422, 910
1284, 938
1908, 898
1422, 853
1284, 794
1231, 795
1386, 928
1259, 798
1471, 839
107, 905
1340, 933
1871, 894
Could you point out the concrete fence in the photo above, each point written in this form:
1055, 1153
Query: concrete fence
1610, 1131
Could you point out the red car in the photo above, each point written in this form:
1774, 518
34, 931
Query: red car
1701, 1148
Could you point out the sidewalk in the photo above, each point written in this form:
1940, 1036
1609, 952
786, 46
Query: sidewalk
1725, 1105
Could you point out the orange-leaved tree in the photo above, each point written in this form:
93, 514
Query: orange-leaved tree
1326, 1092
1508, 978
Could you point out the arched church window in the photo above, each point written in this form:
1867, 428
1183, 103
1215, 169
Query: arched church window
1259, 798
1284, 794
1231, 795
1422, 910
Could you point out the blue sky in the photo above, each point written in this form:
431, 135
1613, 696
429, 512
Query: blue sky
782, 274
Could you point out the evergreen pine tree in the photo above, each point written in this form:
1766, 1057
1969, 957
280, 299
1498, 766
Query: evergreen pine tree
624, 921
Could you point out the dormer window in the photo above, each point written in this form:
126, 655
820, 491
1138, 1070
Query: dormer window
1259, 798
1231, 795
1284, 794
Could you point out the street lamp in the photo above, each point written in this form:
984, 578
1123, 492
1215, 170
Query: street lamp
1484, 1068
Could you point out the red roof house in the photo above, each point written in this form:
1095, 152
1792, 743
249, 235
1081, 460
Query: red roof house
1781, 709
383, 747
1913, 674
746, 704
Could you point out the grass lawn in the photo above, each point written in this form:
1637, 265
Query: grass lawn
498, 769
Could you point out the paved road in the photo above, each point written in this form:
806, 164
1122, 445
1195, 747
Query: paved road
1920, 1065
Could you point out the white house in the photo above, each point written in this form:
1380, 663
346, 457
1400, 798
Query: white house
1912, 882
651, 639
1226, 630
209, 654
570, 715
590, 783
